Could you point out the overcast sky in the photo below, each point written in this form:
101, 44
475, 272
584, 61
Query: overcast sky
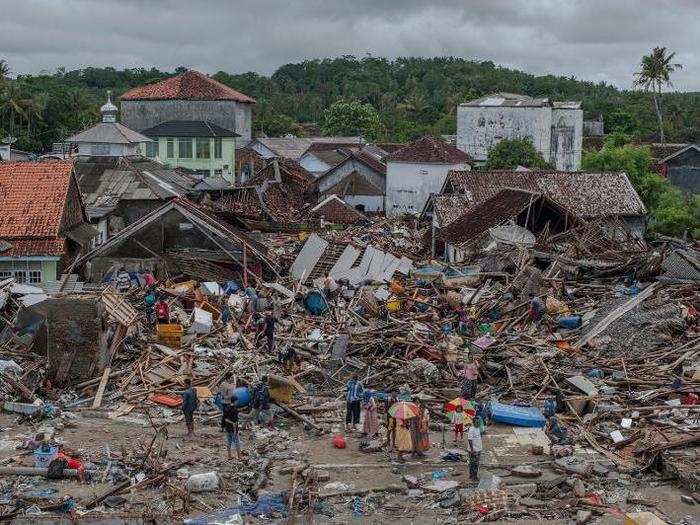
598, 40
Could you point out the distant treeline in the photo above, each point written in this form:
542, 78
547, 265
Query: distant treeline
412, 96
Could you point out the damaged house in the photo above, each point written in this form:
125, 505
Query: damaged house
272, 198
511, 217
118, 184
180, 238
418, 170
43, 225
359, 180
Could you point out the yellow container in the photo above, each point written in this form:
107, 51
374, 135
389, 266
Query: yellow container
393, 304
170, 334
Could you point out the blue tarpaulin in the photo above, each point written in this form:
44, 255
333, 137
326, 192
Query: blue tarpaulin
267, 504
316, 303
517, 415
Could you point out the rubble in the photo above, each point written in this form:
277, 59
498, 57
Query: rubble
613, 357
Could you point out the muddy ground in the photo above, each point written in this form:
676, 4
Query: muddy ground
99, 438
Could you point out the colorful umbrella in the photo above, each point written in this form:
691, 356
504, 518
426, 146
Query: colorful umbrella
466, 405
404, 410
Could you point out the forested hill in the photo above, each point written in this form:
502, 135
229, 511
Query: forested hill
411, 95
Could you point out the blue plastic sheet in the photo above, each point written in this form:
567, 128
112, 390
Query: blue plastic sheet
267, 504
316, 303
517, 415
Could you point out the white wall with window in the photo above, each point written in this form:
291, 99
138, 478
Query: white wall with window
23, 271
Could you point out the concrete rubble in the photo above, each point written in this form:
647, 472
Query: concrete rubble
614, 358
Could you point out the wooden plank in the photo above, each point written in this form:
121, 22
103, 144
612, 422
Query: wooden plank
97, 402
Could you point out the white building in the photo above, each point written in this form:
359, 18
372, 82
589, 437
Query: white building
109, 138
417, 170
555, 128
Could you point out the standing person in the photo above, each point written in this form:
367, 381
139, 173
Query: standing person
370, 426
162, 312
536, 310
229, 424
457, 419
150, 300
404, 437
190, 403
352, 397
227, 387
462, 320
270, 330
391, 422
261, 403
475, 447
471, 376
422, 442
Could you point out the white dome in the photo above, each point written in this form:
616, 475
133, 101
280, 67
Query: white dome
109, 110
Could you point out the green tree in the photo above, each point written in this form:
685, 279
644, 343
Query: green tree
510, 153
653, 75
352, 118
278, 125
670, 213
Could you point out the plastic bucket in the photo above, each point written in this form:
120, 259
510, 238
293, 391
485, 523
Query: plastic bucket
42, 459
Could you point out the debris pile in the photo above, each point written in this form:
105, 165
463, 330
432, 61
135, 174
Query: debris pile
582, 364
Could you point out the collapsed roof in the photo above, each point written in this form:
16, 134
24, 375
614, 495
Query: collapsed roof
585, 194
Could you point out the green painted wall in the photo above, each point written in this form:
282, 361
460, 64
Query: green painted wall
226, 163
48, 270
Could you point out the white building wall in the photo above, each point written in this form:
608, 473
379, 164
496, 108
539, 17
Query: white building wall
566, 139
479, 128
108, 150
313, 164
371, 203
408, 185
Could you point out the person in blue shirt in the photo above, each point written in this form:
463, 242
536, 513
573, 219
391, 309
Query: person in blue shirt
353, 399
190, 403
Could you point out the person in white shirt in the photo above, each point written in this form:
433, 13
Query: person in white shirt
475, 447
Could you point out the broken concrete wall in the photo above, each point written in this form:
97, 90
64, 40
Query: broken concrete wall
71, 339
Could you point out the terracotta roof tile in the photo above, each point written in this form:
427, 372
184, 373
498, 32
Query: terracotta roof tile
32, 198
191, 85
586, 194
35, 247
430, 150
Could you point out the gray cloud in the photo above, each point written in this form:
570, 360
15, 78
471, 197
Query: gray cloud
598, 40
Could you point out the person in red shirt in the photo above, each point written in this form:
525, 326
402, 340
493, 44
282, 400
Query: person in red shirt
162, 312
74, 463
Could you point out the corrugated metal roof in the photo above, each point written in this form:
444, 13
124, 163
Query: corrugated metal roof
104, 181
586, 195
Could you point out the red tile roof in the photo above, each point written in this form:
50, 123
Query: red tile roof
32, 197
191, 85
35, 247
429, 150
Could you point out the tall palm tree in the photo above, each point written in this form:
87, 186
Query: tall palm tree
654, 74
4, 70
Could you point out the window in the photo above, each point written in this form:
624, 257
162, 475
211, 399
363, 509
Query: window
171, 148
203, 149
217, 148
34, 276
5, 274
21, 276
218, 172
184, 148
152, 149
28, 272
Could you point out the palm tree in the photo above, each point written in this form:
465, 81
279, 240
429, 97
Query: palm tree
654, 74
4, 70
